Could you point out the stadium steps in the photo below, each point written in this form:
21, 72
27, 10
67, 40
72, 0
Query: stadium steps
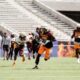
46, 16
14, 19
19, 21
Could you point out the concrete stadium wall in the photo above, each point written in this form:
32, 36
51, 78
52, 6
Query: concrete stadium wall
56, 14
62, 5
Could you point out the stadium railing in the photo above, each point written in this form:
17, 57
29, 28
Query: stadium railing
57, 14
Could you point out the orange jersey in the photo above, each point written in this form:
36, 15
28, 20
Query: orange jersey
77, 45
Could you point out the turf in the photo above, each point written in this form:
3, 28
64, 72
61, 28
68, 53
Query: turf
54, 69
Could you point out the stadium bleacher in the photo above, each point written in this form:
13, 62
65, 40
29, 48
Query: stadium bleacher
13, 18
25, 15
44, 15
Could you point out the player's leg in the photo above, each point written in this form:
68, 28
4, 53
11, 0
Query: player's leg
37, 61
7, 51
47, 54
22, 54
41, 50
29, 48
15, 55
76, 50
4, 55
78, 54
12, 53
34, 51
29, 52
4, 52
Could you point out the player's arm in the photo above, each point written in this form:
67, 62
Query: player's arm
73, 34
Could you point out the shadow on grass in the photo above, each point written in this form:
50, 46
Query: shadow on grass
4, 66
30, 69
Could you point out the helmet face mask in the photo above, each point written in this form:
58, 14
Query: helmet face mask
22, 37
12, 35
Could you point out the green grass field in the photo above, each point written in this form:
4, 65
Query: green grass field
54, 69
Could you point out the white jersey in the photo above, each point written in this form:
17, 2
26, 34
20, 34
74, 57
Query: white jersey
13, 39
29, 38
6, 41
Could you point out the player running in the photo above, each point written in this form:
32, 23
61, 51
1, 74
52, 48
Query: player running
76, 36
45, 46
